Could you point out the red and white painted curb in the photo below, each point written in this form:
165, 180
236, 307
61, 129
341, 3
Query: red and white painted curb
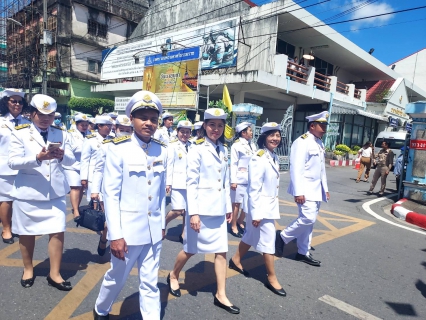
407, 215
342, 163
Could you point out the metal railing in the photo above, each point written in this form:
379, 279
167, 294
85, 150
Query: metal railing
342, 87
297, 72
322, 82
357, 94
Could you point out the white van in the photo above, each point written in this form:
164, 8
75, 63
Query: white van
395, 139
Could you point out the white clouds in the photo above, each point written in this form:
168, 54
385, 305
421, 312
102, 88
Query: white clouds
371, 10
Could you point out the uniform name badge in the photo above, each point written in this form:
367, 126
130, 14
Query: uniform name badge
156, 163
242, 169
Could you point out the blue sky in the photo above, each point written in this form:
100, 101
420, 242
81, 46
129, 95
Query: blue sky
393, 36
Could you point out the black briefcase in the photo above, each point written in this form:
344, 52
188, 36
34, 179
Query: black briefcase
90, 218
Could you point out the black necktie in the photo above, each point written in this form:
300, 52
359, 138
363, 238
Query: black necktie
44, 135
168, 132
218, 151
16, 121
84, 134
186, 147
250, 146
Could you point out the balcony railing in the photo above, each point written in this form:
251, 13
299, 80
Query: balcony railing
357, 94
342, 87
322, 82
297, 72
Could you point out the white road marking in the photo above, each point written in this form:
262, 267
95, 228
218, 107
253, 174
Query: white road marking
366, 207
357, 313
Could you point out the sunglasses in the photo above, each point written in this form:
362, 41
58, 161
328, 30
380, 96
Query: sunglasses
16, 102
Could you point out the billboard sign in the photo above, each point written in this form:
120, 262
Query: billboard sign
218, 43
175, 82
121, 103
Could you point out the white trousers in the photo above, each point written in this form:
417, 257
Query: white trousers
301, 228
148, 257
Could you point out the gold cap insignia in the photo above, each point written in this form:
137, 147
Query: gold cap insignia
217, 112
84, 117
326, 115
46, 104
126, 120
147, 98
274, 124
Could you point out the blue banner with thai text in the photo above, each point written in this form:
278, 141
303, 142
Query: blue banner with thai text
173, 56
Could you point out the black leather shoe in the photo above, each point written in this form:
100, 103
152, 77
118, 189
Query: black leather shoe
27, 283
15, 235
8, 241
237, 235
180, 238
234, 267
279, 292
176, 292
279, 244
98, 317
64, 286
241, 230
231, 309
101, 251
312, 248
308, 259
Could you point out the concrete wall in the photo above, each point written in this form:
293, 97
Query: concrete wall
397, 101
170, 15
413, 67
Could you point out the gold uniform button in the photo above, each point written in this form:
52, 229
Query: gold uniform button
149, 198
47, 164
218, 180
149, 213
219, 170
149, 182
220, 189
47, 176
149, 167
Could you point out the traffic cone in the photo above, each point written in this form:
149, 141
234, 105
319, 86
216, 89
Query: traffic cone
357, 164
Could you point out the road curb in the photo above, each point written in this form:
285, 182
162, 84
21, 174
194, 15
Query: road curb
342, 163
407, 215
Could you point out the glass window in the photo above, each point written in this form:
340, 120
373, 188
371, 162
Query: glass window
347, 134
349, 118
91, 66
299, 116
359, 120
368, 122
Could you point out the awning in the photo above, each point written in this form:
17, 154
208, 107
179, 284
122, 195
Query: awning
372, 115
342, 110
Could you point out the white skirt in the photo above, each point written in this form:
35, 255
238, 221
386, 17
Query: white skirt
73, 178
178, 199
237, 196
261, 238
213, 236
6, 185
39, 217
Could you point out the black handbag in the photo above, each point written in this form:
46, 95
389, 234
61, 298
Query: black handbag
93, 219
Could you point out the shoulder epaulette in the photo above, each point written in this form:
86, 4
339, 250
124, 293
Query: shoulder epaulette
120, 139
22, 126
304, 136
260, 153
71, 130
200, 141
107, 140
91, 136
174, 140
225, 145
159, 142
59, 128
238, 140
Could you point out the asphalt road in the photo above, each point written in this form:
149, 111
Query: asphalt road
370, 270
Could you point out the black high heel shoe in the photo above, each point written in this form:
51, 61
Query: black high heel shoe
176, 292
279, 292
63, 286
27, 283
231, 309
101, 251
233, 266
9, 240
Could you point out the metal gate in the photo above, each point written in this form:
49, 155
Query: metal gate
283, 152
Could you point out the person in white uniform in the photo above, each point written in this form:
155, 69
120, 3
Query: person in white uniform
39, 151
165, 133
134, 187
91, 145
263, 206
72, 173
58, 121
123, 128
92, 124
176, 172
209, 206
308, 186
196, 132
12, 104
241, 152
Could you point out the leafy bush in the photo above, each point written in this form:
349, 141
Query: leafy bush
342, 147
91, 106
353, 152
339, 153
356, 148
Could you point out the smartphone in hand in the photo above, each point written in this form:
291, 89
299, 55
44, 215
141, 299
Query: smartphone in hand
53, 146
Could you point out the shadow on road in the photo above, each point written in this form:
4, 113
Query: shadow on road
403, 309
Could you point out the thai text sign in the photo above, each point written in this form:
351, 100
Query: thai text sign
418, 144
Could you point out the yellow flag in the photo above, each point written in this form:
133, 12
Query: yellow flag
226, 98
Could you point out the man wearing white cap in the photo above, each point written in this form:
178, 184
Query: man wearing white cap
72, 173
92, 124
165, 133
124, 128
176, 172
58, 121
91, 145
12, 105
196, 132
134, 189
241, 152
308, 186
39, 151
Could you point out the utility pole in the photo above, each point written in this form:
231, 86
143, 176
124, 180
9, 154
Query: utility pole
44, 83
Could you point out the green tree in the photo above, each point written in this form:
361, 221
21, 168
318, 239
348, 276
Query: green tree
91, 106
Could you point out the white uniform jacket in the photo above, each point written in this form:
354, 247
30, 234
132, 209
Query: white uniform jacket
176, 164
134, 190
208, 179
307, 168
162, 134
38, 181
241, 153
77, 141
263, 186
7, 125
98, 173
91, 145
